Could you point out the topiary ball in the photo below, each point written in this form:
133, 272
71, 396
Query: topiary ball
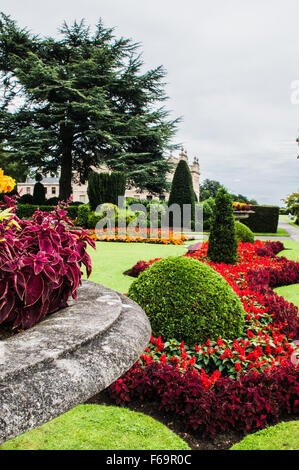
187, 300
243, 233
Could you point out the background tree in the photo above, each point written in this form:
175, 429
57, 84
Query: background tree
292, 203
239, 198
222, 240
209, 188
253, 202
182, 191
85, 102
11, 166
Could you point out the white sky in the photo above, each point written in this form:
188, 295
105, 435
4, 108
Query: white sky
230, 65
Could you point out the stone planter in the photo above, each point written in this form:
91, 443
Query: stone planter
242, 214
68, 357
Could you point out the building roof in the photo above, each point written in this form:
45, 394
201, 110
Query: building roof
45, 180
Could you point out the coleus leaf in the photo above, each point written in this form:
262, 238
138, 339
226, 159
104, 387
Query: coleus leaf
34, 289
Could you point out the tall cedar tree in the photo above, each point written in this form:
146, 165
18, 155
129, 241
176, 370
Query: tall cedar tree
182, 191
11, 166
223, 244
85, 102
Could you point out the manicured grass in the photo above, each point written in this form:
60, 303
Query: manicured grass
283, 436
111, 259
94, 427
281, 232
290, 293
291, 251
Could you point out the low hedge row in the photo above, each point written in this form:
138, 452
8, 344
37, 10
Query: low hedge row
25, 211
264, 219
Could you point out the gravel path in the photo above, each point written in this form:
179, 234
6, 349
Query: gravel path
293, 231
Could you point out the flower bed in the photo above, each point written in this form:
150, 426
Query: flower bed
247, 382
139, 236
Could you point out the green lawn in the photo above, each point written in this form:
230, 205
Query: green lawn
94, 427
290, 293
111, 259
283, 436
281, 232
291, 251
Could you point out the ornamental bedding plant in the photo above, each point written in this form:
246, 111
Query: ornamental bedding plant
40, 264
245, 383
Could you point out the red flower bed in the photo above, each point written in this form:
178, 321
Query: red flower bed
246, 404
245, 383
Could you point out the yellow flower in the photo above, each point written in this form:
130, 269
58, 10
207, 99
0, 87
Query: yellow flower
6, 183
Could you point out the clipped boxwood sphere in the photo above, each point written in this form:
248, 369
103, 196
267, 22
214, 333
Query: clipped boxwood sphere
243, 233
187, 300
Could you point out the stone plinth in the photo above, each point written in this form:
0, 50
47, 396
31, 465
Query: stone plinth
68, 357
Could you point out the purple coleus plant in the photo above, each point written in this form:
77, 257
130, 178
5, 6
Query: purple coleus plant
40, 264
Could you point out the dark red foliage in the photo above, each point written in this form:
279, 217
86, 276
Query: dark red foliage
139, 267
40, 261
284, 313
246, 404
269, 249
283, 275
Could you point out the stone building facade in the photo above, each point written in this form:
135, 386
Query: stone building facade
80, 190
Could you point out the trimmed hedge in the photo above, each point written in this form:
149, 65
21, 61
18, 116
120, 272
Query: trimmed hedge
25, 211
223, 245
243, 233
105, 187
264, 219
83, 214
188, 300
182, 191
39, 194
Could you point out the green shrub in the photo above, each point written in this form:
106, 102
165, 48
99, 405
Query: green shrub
122, 216
264, 219
72, 212
53, 201
25, 211
25, 199
243, 233
93, 219
187, 300
182, 191
207, 215
83, 215
105, 187
223, 243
